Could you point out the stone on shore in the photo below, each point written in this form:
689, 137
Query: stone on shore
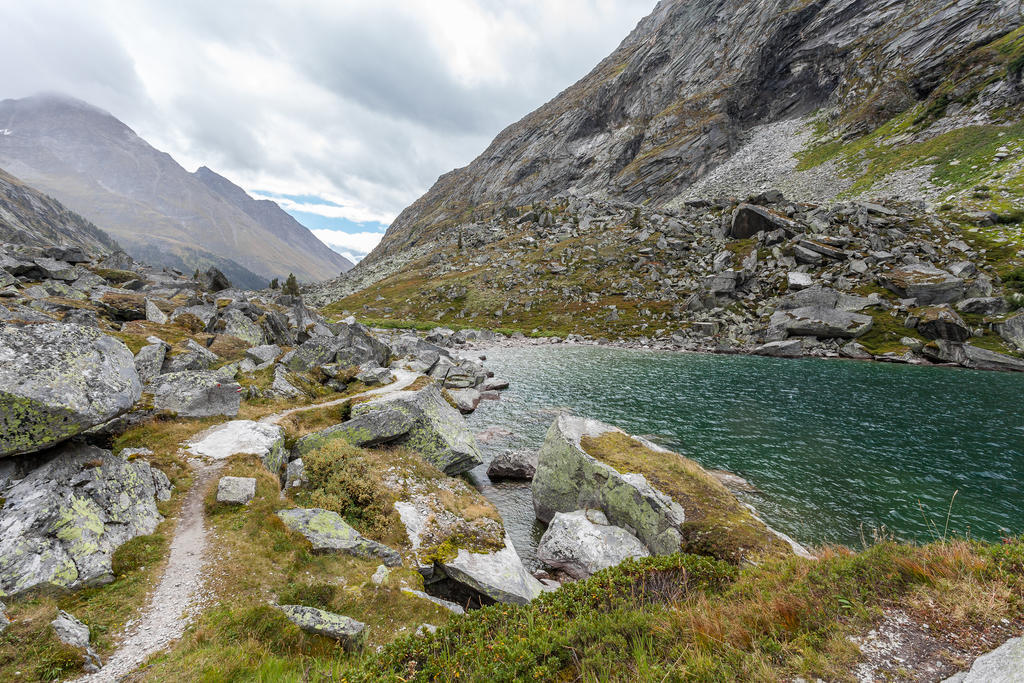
582, 543
789, 348
821, 322
329, 533
466, 400
1012, 330
59, 380
928, 284
513, 464
196, 394
236, 490
942, 322
349, 632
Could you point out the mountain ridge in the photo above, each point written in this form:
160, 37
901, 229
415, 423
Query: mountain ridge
96, 165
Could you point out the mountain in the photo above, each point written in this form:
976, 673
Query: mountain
747, 89
28, 217
271, 216
162, 214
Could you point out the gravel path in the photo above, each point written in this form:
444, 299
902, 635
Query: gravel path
181, 594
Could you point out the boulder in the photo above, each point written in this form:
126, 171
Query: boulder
154, 314
236, 490
66, 510
855, 351
262, 439
329, 533
74, 633
375, 376
349, 632
57, 380
1012, 330
149, 360
582, 543
1002, 665
749, 219
983, 305
421, 420
513, 464
196, 394
798, 281
971, 356
570, 479
790, 348
466, 400
122, 305
213, 280
295, 475
235, 323
926, 283
821, 322
282, 386
942, 322
499, 575
261, 355
194, 357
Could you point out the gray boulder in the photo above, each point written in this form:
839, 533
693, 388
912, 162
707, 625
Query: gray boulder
926, 283
329, 533
58, 380
234, 323
499, 575
421, 420
236, 490
66, 511
985, 305
942, 322
295, 476
194, 357
1005, 664
466, 400
790, 348
972, 357
149, 360
582, 543
261, 355
855, 351
372, 376
349, 632
749, 219
821, 322
154, 314
1012, 330
196, 394
570, 479
71, 631
513, 464
282, 385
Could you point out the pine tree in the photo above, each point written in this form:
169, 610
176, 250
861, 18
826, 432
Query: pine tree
274, 284
291, 285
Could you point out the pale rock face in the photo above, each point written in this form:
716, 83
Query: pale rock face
58, 380
499, 575
242, 436
582, 543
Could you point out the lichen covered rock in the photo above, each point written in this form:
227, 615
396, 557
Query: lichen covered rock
67, 510
58, 380
349, 632
329, 533
582, 543
196, 394
498, 575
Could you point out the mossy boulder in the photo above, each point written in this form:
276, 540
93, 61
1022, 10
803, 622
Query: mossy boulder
58, 380
347, 631
329, 533
66, 510
669, 502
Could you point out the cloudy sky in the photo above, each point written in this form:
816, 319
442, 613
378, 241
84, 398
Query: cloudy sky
344, 111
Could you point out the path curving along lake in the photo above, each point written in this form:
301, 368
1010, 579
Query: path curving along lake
837, 448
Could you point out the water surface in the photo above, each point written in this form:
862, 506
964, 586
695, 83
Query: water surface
838, 449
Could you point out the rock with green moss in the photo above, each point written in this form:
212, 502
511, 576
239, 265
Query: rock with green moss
942, 322
233, 322
347, 631
329, 533
570, 479
370, 429
196, 394
67, 510
74, 633
59, 380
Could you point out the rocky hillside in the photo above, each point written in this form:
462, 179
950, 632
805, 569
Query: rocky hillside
31, 218
160, 213
817, 98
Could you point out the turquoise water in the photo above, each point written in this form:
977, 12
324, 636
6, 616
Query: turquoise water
836, 448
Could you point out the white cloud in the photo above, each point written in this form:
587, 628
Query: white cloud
363, 104
348, 243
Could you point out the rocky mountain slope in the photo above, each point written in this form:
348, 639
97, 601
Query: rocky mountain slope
31, 218
159, 212
697, 82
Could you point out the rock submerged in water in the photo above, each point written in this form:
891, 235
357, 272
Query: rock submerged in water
347, 631
67, 510
329, 533
582, 543
59, 380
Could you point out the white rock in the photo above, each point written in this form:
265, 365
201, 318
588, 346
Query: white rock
581, 544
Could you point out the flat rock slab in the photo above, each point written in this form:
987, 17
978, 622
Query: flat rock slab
236, 490
196, 394
242, 436
821, 322
349, 632
500, 575
58, 380
329, 533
